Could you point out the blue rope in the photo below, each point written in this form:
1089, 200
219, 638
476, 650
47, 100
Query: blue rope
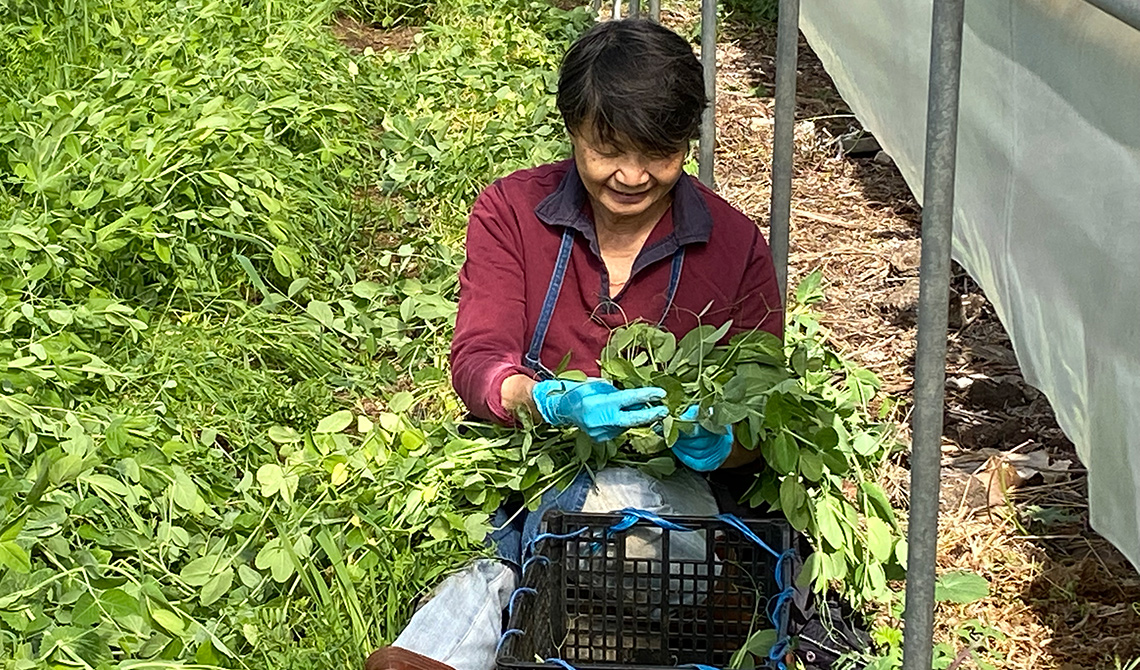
736, 523
507, 633
778, 652
560, 662
511, 602
631, 515
537, 558
552, 536
778, 604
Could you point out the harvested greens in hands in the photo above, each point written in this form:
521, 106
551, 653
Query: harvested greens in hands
798, 402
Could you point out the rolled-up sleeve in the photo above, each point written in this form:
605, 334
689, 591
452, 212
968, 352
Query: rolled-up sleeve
491, 324
759, 305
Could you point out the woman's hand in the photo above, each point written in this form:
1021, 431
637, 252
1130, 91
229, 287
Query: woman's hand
516, 395
700, 448
596, 407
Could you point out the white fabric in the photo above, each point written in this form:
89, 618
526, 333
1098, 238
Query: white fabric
1047, 212
461, 624
683, 493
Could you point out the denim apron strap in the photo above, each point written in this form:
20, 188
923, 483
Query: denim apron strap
674, 279
533, 358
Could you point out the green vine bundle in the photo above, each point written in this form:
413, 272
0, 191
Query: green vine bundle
805, 409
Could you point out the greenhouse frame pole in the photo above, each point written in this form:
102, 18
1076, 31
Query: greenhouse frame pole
783, 139
933, 305
708, 118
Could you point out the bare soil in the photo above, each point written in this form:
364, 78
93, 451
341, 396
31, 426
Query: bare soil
1062, 596
359, 36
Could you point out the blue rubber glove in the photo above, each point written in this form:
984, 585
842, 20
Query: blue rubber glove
699, 448
596, 407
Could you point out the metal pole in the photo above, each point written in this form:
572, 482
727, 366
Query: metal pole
655, 10
1127, 11
783, 138
617, 10
933, 304
634, 9
708, 120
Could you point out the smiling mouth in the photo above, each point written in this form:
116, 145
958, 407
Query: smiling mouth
629, 196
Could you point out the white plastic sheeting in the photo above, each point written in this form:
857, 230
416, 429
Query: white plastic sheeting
1047, 212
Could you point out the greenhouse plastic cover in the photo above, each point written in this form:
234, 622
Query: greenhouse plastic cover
1047, 205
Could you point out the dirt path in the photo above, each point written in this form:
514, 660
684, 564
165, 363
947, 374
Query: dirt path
1061, 595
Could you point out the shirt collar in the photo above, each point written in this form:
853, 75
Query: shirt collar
692, 222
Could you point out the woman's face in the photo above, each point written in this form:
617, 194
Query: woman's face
623, 182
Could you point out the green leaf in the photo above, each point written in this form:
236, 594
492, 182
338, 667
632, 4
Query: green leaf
107, 483
122, 608
401, 402
274, 481
864, 384
296, 286
811, 465
184, 493
14, 557
335, 422
63, 317
877, 499
367, 290
901, 551
477, 527
880, 541
865, 444
662, 466
827, 520
583, 447
217, 586
168, 620
321, 311
275, 558
809, 572
961, 587
199, 571
86, 611
761, 642
248, 576
809, 290
793, 496
284, 435
783, 455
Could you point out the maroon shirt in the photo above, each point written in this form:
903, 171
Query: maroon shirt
513, 236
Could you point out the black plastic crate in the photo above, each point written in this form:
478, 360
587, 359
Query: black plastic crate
646, 597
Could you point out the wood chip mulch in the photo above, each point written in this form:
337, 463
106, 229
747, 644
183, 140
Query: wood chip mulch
1061, 595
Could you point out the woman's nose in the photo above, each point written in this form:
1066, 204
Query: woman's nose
632, 173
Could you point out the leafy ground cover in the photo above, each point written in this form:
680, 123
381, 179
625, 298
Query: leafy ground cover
198, 283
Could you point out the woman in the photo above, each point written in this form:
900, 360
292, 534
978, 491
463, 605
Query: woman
557, 257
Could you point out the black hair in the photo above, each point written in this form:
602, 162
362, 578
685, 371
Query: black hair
634, 81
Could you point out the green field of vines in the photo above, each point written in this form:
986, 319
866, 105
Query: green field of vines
228, 258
